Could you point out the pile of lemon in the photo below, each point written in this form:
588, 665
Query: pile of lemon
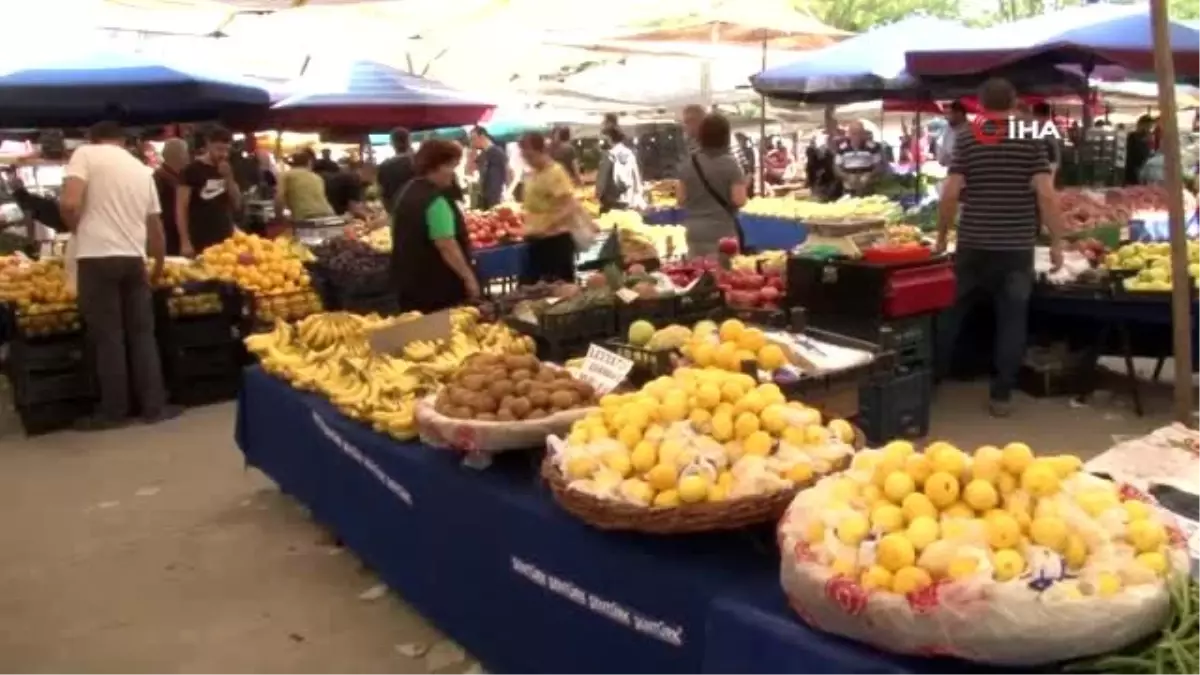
728, 345
900, 520
700, 435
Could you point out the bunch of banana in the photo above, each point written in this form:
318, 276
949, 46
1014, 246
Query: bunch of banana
421, 350
281, 336
319, 331
498, 338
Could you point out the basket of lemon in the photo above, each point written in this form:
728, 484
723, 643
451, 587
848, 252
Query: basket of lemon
999, 557
700, 450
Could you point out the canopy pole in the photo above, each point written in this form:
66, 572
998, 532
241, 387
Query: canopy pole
762, 126
1181, 322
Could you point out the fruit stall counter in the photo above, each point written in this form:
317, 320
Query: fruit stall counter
767, 233
521, 584
501, 262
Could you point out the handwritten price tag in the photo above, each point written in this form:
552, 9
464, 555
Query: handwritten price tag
603, 369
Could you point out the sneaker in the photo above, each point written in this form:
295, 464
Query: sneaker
98, 423
1000, 408
168, 412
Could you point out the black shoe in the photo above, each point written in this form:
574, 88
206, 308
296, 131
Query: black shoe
168, 412
98, 423
1000, 408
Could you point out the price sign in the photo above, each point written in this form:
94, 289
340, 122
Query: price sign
603, 369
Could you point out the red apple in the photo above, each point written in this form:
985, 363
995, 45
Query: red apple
728, 246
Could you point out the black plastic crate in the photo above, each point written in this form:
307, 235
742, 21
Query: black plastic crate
55, 353
44, 418
197, 331
768, 318
896, 408
384, 303
660, 312
204, 391
911, 340
188, 363
198, 299
584, 325
647, 364
40, 387
703, 302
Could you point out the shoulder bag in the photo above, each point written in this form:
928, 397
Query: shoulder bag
721, 201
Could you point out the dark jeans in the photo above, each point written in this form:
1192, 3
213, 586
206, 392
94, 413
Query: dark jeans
550, 259
1007, 278
114, 298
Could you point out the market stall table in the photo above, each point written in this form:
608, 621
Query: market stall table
487, 556
501, 262
765, 233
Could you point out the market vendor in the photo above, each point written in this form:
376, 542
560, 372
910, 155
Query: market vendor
346, 190
858, 160
550, 212
431, 255
302, 190
1138, 149
491, 165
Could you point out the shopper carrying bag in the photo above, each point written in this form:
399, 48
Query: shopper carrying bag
712, 187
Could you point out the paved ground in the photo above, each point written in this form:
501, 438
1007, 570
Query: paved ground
151, 549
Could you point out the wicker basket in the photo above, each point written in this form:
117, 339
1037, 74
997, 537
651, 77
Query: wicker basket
735, 514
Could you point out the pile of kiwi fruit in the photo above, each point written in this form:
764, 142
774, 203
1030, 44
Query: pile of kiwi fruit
497, 388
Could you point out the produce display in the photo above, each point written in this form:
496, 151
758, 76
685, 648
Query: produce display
1085, 209
755, 282
999, 557
38, 293
640, 241
701, 435
851, 208
329, 353
503, 224
1175, 649
1152, 264
272, 270
660, 194
352, 264
495, 388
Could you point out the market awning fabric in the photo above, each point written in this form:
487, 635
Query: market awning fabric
371, 96
1094, 35
128, 88
866, 66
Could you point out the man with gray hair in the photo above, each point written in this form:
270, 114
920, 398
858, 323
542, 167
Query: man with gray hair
692, 116
175, 155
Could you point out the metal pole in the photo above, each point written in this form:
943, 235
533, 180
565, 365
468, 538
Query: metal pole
762, 128
1181, 320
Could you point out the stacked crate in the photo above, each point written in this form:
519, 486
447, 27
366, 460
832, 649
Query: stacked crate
52, 377
898, 403
199, 342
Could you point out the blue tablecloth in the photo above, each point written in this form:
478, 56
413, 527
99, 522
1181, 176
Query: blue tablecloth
524, 587
671, 216
764, 233
500, 262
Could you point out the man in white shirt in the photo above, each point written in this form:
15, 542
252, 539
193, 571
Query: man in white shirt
110, 204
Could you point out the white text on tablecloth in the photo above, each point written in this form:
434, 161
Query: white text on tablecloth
672, 635
357, 455
603, 369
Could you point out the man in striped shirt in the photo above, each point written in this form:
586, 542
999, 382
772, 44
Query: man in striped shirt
1006, 192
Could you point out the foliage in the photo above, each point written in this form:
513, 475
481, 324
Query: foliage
861, 15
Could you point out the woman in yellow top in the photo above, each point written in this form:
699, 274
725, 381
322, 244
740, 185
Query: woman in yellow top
550, 208
302, 191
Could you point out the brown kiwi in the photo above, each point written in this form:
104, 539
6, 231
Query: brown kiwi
500, 388
586, 392
536, 414
520, 407
459, 413
460, 396
520, 375
485, 417
484, 403
514, 362
443, 405
545, 375
539, 398
563, 400
523, 388
527, 362
505, 415
474, 382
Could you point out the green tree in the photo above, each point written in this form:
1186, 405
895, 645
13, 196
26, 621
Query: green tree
861, 15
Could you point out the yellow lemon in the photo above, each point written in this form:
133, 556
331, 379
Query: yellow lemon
1075, 553
909, 580
1007, 564
895, 552
597, 433
774, 418
1050, 532
758, 443
731, 330
643, 457
942, 487
844, 567
852, 529
962, 567
1155, 561
794, 435
1145, 535
1003, 531
581, 466
950, 460
887, 518
981, 495
618, 461
731, 392
1107, 584
669, 451
667, 498
1095, 502
751, 339
708, 395
629, 436
662, 476
900, 448
864, 462
752, 402
703, 354
842, 430
718, 493
922, 532
745, 424
876, 577
727, 357
722, 427
772, 394
1006, 483
919, 467
578, 437
916, 505
725, 479
958, 511
897, 486
815, 434
701, 420
1065, 465
1016, 457
814, 532
800, 473
1039, 479
693, 488
674, 410
1136, 510
771, 357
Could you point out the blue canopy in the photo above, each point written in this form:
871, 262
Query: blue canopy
129, 88
1092, 35
864, 67
371, 96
